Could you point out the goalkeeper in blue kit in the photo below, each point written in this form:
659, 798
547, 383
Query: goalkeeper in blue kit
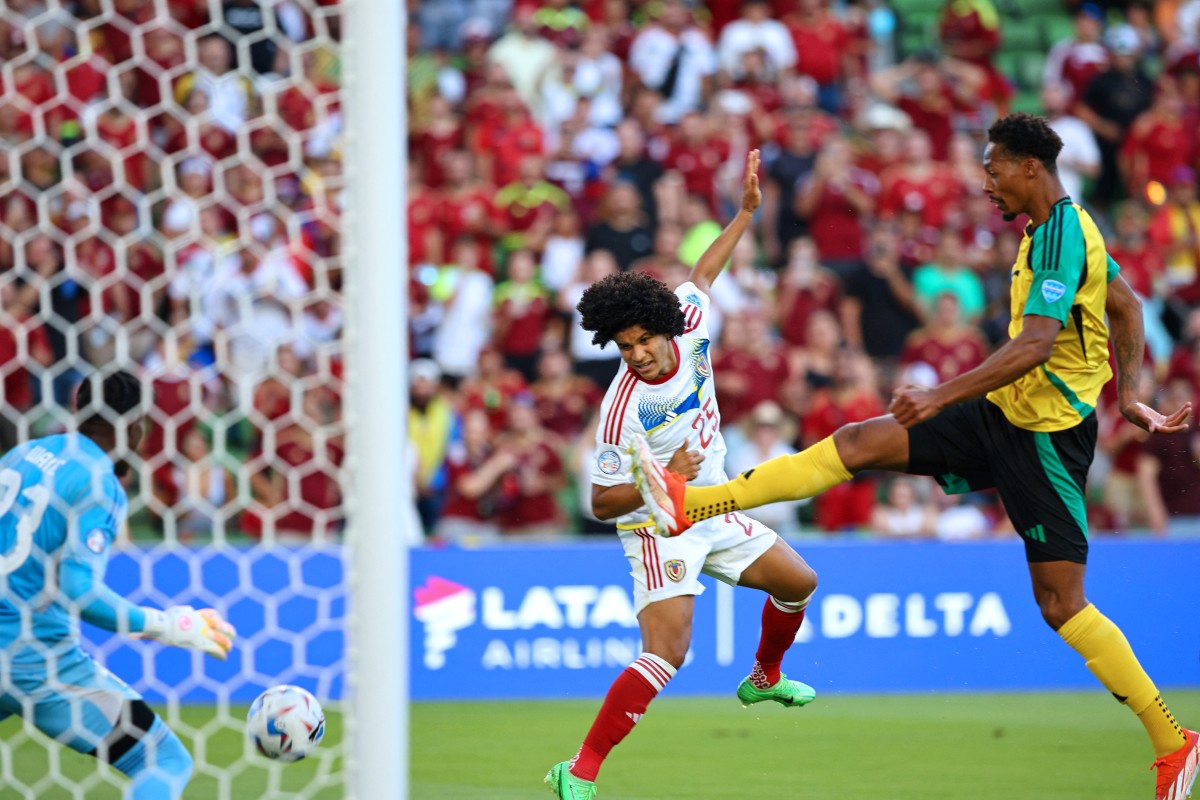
61, 506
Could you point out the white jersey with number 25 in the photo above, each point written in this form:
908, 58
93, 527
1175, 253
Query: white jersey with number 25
676, 408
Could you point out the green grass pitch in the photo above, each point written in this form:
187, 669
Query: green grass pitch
1036, 746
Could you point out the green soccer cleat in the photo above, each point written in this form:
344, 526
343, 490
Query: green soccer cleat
566, 786
788, 693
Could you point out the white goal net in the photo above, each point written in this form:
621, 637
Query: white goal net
171, 203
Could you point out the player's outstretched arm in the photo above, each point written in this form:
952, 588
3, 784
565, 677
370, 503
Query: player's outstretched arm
709, 265
1129, 346
180, 626
912, 405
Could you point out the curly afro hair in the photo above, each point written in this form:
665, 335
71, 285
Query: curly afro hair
1027, 135
625, 299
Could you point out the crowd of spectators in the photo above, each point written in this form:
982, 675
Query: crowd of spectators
169, 201
555, 142
171, 196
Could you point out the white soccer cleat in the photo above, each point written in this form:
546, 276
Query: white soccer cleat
662, 490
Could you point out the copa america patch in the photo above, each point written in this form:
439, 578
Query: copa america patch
675, 570
1052, 291
96, 541
609, 462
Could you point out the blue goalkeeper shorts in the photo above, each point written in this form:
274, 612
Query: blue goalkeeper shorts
73, 700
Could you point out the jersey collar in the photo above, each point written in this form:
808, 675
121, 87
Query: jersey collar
662, 378
1029, 226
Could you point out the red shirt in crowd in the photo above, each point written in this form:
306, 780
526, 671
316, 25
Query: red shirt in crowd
171, 418
424, 224
1082, 62
935, 116
522, 314
1141, 264
493, 395
848, 505
564, 410
35, 88
698, 163
1155, 145
747, 379
820, 43
933, 195
835, 224
799, 302
974, 36
318, 490
18, 388
469, 211
951, 355
460, 463
428, 148
506, 142
521, 505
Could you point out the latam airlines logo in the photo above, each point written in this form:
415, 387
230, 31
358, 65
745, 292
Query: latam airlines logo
446, 608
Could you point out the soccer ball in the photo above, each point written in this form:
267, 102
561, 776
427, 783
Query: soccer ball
285, 723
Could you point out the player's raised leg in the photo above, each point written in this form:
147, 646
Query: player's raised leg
91, 711
675, 505
666, 628
789, 582
1058, 589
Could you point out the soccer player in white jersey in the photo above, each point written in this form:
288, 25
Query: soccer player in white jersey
665, 391
61, 506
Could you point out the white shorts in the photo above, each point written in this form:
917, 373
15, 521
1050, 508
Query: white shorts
670, 567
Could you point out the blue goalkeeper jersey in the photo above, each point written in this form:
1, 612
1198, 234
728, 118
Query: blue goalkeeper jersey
61, 505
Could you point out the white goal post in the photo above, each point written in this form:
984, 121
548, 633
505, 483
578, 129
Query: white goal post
377, 412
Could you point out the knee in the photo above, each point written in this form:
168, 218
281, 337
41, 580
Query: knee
797, 588
848, 439
674, 653
802, 587
809, 581
1057, 609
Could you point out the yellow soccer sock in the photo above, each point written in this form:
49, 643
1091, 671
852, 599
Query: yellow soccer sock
784, 478
1110, 658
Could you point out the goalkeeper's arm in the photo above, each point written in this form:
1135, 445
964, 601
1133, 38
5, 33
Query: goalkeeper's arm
179, 626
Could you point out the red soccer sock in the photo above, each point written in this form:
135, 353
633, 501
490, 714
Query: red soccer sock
624, 705
780, 622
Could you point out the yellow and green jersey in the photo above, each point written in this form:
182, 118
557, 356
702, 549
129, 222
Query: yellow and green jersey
1062, 271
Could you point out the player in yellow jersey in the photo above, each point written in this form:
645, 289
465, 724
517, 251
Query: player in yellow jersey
1023, 422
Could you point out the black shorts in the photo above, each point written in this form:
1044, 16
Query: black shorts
1040, 476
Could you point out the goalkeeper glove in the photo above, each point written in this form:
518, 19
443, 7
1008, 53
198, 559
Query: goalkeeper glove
184, 626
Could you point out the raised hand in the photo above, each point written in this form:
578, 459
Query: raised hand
751, 194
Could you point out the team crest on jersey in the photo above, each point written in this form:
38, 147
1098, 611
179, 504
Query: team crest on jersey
1052, 291
96, 540
609, 462
675, 570
703, 367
